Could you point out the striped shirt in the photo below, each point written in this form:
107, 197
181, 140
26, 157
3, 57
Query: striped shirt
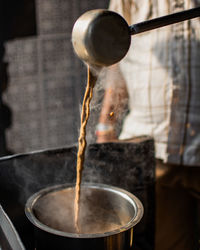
162, 73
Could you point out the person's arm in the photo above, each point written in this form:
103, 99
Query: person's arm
115, 99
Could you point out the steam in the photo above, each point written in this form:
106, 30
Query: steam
119, 111
100, 212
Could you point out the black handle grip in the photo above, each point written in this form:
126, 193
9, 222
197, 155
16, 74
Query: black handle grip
164, 21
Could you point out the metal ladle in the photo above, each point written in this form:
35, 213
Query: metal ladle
102, 37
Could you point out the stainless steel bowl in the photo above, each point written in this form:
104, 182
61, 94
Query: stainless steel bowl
107, 217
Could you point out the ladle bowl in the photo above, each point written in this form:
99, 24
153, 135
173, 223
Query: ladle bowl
101, 37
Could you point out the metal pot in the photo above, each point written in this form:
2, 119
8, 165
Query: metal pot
106, 219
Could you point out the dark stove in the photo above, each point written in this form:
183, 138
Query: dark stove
126, 165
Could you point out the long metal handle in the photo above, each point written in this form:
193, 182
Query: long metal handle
164, 21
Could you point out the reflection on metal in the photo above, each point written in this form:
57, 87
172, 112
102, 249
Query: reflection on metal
131, 239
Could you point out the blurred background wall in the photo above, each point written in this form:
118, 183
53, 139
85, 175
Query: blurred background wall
42, 81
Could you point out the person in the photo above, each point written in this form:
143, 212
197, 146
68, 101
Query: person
159, 79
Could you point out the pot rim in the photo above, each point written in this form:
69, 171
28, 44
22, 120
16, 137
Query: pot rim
136, 203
